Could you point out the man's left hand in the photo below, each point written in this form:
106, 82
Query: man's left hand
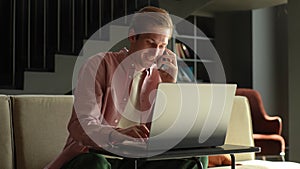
167, 66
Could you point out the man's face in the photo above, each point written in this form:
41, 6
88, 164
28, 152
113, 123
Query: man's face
146, 48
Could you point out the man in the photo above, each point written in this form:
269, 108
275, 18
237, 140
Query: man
104, 92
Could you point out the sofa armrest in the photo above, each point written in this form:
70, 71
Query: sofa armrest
6, 138
239, 131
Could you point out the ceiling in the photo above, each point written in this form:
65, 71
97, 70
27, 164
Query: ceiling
186, 7
238, 5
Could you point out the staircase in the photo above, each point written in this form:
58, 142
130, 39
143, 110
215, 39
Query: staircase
60, 81
41, 39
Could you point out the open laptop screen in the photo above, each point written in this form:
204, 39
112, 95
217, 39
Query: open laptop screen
190, 115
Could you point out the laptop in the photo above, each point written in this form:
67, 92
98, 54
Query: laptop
188, 115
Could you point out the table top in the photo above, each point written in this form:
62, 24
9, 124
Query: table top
186, 153
225, 149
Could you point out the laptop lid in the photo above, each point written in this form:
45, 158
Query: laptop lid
190, 115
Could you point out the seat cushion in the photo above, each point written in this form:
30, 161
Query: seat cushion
40, 128
260, 164
6, 148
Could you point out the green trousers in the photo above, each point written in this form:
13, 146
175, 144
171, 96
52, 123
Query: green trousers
98, 161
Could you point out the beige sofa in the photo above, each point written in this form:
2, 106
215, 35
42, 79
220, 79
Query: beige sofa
33, 129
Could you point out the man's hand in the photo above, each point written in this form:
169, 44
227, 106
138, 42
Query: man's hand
167, 65
133, 133
219, 160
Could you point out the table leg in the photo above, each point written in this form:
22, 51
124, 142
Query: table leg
198, 162
232, 161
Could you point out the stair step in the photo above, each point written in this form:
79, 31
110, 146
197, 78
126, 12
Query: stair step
60, 81
118, 40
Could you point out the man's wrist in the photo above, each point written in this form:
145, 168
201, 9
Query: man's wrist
111, 136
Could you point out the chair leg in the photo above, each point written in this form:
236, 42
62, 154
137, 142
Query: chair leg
282, 155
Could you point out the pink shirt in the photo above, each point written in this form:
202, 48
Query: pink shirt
101, 95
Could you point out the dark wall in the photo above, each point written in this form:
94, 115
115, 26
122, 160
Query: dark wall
33, 31
233, 38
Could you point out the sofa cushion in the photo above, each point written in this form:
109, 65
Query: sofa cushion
40, 128
239, 131
6, 148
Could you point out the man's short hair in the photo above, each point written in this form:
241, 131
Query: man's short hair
151, 17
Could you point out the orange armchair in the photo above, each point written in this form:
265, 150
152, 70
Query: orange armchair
266, 129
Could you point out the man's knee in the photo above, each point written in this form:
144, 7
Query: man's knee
97, 161
89, 161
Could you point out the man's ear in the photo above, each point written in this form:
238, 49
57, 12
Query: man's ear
131, 32
131, 35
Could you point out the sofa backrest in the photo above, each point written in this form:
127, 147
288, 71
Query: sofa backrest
40, 128
239, 131
6, 146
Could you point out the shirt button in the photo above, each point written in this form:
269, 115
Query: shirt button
116, 121
129, 77
132, 65
124, 99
